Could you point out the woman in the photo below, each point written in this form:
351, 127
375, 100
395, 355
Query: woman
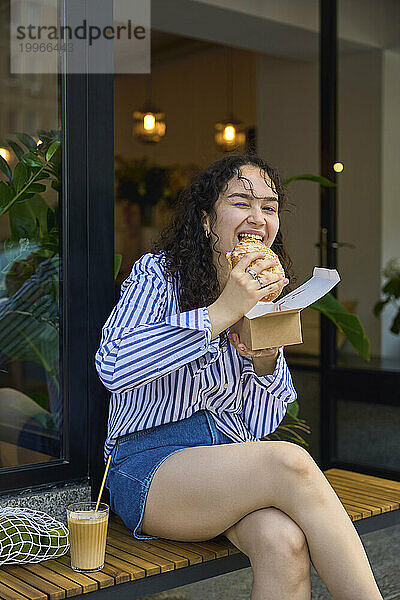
188, 407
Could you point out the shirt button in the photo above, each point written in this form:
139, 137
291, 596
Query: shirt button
202, 361
225, 385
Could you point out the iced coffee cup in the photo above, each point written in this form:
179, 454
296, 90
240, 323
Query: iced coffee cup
87, 535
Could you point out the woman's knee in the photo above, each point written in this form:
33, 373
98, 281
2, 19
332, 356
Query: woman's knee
297, 463
271, 532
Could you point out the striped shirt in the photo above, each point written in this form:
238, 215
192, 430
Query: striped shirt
161, 365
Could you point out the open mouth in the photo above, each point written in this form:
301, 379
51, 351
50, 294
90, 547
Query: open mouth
250, 236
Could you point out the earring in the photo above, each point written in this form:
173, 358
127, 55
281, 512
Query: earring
207, 234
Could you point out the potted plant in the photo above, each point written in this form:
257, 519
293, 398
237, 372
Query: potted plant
391, 291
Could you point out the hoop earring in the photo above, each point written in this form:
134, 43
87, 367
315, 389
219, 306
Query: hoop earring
207, 234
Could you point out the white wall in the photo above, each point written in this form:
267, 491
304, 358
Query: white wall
390, 161
287, 135
359, 195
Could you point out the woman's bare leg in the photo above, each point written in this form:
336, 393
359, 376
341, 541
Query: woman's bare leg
278, 553
200, 492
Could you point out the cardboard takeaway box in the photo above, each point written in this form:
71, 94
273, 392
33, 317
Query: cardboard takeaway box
273, 324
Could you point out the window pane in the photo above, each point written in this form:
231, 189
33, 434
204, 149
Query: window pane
368, 187
30, 400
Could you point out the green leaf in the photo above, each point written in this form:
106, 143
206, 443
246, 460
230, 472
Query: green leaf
395, 328
52, 150
26, 140
5, 168
117, 264
346, 322
392, 287
310, 177
6, 195
37, 188
20, 176
55, 185
293, 408
379, 307
29, 219
18, 151
32, 160
41, 399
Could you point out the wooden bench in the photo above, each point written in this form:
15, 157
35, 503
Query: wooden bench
134, 568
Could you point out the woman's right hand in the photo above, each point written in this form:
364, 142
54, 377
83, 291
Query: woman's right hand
242, 291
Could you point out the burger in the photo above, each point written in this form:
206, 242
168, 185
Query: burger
249, 242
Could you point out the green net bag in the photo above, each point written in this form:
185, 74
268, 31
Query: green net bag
30, 536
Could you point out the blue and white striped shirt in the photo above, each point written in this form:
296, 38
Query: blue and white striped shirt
161, 365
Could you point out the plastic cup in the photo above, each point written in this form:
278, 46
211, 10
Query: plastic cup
87, 535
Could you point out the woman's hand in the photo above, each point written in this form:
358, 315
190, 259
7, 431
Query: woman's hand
244, 351
242, 291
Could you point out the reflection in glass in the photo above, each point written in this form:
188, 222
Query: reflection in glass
30, 400
368, 189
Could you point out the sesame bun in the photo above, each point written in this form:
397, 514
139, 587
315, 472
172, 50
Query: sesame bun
244, 246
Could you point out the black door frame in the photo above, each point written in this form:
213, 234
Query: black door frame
328, 212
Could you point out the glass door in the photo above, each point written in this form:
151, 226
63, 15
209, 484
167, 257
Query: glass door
262, 63
361, 404
56, 251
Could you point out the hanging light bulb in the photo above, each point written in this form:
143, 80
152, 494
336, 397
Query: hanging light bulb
149, 123
230, 133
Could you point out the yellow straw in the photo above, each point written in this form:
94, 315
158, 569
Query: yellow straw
103, 482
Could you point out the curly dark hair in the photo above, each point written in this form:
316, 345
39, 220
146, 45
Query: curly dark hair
188, 254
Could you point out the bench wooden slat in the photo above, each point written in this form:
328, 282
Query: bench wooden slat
219, 549
155, 555
148, 545
53, 591
228, 544
193, 557
204, 554
365, 493
103, 580
22, 587
356, 484
133, 571
116, 573
71, 588
374, 506
7, 593
133, 559
377, 482
353, 513
88, 584
213, 546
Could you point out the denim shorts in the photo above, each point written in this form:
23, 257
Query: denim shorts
136, 457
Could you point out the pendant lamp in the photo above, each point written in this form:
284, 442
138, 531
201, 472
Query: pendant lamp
149, 122
230, 133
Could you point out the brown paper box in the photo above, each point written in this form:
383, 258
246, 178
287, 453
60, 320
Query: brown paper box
270, 331
274, 324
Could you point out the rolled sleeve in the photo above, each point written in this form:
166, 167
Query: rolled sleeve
140, 342
279, 383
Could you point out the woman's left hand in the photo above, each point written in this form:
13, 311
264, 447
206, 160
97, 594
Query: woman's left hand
244, 351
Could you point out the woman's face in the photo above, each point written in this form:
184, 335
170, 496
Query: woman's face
248, 204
